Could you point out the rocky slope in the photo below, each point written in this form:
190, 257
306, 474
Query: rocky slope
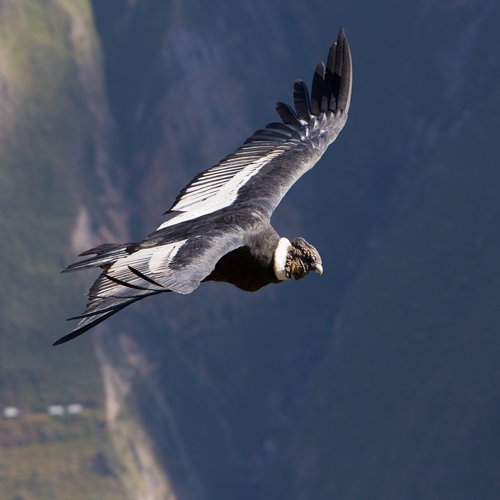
56, 198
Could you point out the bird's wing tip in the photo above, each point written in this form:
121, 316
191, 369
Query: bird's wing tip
69, 336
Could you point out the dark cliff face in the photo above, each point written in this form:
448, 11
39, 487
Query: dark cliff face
377, 379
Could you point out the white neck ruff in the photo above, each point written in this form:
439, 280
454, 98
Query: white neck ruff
280, 255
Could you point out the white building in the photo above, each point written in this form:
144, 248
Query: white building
74, 409
10, 412
55, 410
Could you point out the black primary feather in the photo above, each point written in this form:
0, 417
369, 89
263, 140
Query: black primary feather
317, 89
288, 115
301, 100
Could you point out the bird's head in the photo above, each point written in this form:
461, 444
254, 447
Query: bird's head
302, 258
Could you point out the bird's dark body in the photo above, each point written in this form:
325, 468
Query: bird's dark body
220, 229
249, 267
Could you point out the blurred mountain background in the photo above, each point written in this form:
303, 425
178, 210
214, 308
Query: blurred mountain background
379, 380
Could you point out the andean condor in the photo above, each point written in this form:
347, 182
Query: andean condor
222, 230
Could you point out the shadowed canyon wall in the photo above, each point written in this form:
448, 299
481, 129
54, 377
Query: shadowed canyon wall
376, 380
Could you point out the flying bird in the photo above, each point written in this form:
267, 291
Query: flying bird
220, 229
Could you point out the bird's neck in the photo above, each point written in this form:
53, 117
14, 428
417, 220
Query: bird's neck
280, 257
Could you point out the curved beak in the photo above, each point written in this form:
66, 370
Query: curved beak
317, 268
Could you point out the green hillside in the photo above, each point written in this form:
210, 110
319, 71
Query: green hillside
44, 121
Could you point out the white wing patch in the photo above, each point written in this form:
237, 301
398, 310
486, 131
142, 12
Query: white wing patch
218, 187
151, 262
163, 256
156, 258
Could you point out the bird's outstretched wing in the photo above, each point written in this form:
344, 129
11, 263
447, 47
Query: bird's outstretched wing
134, 272
211, 214
271, 160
